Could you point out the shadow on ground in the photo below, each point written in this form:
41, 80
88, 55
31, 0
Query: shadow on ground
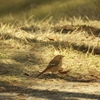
46, 94
89, 30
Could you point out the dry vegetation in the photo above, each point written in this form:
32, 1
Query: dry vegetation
44, 9
28, 46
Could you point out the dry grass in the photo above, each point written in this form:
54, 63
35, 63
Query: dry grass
25, 48
44, 9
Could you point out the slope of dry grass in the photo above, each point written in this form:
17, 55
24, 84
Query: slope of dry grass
44, 9
25, 47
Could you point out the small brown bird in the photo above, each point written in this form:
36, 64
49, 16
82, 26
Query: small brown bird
54, 65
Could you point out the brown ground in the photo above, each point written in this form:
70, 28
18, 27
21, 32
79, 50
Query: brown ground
51, 87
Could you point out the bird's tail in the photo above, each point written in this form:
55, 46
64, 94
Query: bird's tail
41, 73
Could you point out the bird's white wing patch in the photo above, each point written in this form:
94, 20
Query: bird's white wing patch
53, 64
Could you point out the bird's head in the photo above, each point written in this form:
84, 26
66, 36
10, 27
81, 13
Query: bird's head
59, 57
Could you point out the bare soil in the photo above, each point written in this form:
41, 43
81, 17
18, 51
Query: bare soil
51, 87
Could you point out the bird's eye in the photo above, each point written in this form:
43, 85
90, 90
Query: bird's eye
60, 57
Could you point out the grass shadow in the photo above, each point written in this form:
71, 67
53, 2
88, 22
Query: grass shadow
90, 30
10, 69
65, 44
26, 57
47, 94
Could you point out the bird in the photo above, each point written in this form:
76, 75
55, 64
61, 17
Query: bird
54, 65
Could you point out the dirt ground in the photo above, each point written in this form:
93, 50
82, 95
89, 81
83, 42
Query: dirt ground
51, 87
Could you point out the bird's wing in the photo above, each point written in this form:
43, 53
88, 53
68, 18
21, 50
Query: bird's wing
53, 63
